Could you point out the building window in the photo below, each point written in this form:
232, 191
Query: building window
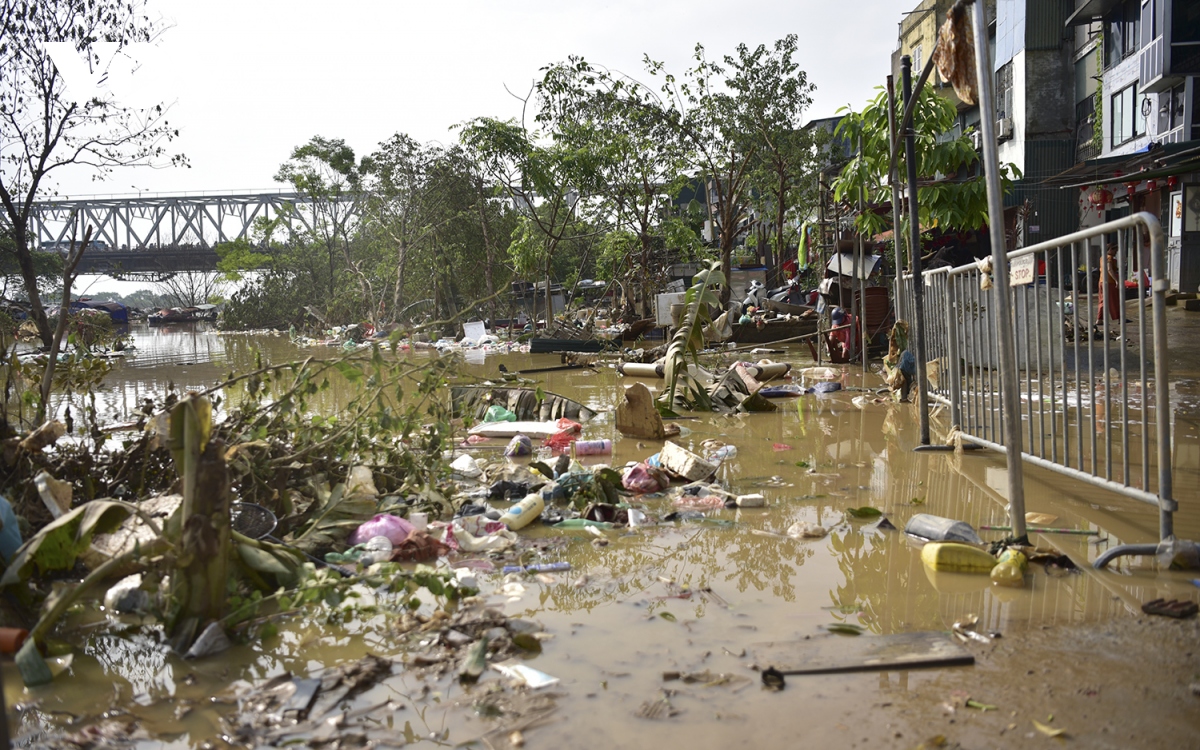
1128, 122
916, 57
1122, 28
1170, 113
1004, 91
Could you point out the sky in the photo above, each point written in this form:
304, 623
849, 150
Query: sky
248, 80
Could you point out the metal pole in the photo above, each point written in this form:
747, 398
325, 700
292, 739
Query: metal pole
1009, 385
858, 273
914, 251
1162, 386
892, 180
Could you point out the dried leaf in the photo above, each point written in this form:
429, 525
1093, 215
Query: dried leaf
1048, 731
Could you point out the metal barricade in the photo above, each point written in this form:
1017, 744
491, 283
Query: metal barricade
1094, 388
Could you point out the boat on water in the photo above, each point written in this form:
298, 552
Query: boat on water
609, 339
773, 330
182, 314
116, 311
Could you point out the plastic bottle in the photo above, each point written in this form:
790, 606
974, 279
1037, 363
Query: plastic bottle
522, 514
593, 447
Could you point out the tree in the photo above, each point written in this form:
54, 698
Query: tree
951, 192
642, 169
788, 156
324, 170
545, 184
191, 288
44, 127
723, 116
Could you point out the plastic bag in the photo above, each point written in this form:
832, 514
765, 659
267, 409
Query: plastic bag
560, 442
520, 445
497, 413
565, 424
395, 528
642, 479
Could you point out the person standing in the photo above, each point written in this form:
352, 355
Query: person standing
1110, 292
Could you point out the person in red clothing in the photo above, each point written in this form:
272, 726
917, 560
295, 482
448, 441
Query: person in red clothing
1110, 291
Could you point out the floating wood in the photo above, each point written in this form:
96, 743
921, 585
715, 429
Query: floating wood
831, 654
637, 415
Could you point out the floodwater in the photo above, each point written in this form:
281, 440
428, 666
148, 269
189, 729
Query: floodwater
615, 634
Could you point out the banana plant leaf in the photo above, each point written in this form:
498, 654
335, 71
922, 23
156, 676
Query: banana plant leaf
58, 545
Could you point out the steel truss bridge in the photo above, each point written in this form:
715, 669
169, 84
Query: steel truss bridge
153, 235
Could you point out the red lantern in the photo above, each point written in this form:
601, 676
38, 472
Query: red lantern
1172, 181
1152, 185
1131, 187
1100, 197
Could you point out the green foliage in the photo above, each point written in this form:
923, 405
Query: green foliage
689, 337
235, 258
58, 544
957, 197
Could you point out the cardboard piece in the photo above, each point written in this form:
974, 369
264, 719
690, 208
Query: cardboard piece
638, 417
831, 653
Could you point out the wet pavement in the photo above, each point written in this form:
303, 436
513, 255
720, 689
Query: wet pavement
1076, 647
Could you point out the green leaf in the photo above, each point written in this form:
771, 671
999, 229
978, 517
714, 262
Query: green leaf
351, 373
263, 561
845, 628
865, 512
542, 469
58, 545
803, 464
667, 616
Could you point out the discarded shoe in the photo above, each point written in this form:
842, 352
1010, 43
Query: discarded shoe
1171, 608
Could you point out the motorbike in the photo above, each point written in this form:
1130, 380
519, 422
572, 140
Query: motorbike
757, 295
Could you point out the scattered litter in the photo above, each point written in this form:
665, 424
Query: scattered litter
393, 528
530, 676
1171, 608
520, 445
806, 530
938, 529
555, 567
1048, 731
954, 557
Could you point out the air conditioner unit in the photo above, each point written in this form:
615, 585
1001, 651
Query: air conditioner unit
977, 140
1004, 129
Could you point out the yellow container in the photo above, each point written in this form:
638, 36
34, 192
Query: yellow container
1008, 574
952, 557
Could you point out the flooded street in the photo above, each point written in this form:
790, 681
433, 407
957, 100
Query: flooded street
705, 595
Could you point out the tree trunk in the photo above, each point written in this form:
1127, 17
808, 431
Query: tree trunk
29, 276
487, 243
198, 585
773, 272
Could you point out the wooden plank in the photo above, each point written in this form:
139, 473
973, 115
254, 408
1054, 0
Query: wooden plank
830, 653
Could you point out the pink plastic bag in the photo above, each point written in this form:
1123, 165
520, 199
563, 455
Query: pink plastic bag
565, 424
395, 528
642, 479
560, 442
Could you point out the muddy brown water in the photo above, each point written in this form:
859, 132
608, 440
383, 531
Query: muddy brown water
616, 634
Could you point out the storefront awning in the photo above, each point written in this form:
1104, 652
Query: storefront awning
1161, 161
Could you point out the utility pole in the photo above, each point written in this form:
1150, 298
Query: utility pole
914, 251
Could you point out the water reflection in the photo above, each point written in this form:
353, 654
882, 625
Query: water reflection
836, 456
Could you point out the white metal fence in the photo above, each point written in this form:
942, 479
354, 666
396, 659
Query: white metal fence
1094, 389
